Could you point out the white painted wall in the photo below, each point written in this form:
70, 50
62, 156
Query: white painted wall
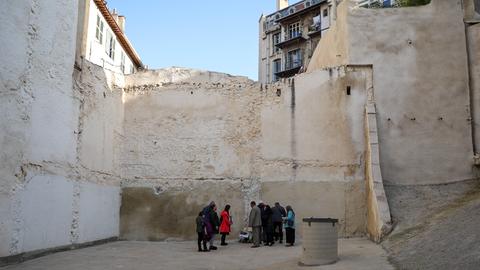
45, 214
96, 50
46, 186
99, 212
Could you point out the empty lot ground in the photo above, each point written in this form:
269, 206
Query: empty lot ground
354, 254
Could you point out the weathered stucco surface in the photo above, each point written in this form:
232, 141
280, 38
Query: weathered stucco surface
421, 87
186, 128
58, 184
175, 139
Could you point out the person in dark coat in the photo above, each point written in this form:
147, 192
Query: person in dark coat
216, 226
263, 235
268, 226
210, 219
201, 233
278, 213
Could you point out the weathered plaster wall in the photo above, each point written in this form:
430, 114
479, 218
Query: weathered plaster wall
421, 87
313, 148
46, 177
198, 136
190, 137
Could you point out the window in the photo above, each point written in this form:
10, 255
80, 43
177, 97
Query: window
122, 62
110, 45
294, 59
277, 67
132, 70
276, 40
294, 30
325, 12
99, 30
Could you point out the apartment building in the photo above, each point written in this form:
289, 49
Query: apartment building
103, 40
288, 37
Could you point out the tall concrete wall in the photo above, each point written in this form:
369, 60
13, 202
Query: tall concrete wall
48, 180
420, 72
192, 137
421, 90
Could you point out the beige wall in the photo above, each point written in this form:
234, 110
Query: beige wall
186, 129
421, 86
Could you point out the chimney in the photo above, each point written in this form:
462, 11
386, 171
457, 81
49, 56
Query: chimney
114, 15
121, 22
281, 4
119, 19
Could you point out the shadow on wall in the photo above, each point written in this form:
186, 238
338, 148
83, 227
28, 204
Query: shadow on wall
148, 214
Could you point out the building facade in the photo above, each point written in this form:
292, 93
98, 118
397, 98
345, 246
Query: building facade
103, 40
288, 37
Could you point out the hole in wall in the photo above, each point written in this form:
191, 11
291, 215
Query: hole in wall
191, 92
279, 92
349, 90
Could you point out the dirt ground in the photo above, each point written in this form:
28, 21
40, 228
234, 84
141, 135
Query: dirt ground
355, 254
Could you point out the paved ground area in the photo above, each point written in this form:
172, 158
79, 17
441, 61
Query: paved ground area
354, 254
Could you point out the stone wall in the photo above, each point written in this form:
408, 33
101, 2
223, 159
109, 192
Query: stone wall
193, 136
58, 184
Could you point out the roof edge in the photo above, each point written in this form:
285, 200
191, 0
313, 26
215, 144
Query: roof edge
127, 46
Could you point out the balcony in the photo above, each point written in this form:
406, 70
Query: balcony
297, 38
315, 31
297, 9
291, 68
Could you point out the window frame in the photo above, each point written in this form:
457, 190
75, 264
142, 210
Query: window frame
110, 45
99, 29
294, 30
276, 38
122, 62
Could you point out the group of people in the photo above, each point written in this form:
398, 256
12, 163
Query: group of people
266, 225
209, 225
267, 222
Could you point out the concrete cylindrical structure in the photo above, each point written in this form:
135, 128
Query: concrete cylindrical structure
320, 241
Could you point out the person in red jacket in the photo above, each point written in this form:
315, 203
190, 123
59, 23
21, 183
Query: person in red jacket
225, 223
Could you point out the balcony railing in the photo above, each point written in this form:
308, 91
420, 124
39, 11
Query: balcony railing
293, 64
290, 68
296, 37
